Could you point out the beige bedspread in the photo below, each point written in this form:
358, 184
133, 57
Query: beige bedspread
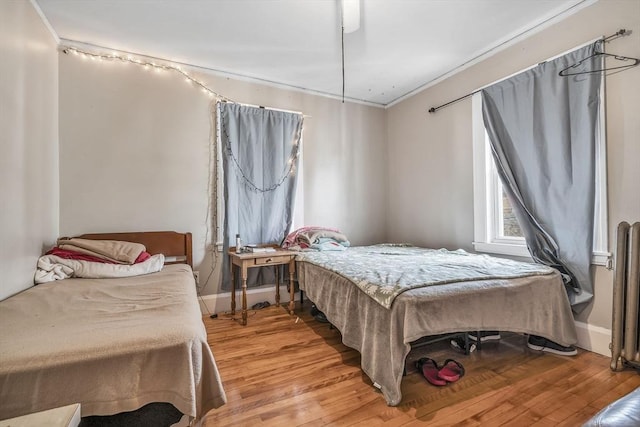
112, 345
536, 305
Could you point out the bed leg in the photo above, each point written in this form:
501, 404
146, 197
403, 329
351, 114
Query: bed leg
244, 295
233, 290
277, 273
292, 286
467, 344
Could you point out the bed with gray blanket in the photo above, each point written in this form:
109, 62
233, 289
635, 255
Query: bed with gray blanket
114, 345
383, 297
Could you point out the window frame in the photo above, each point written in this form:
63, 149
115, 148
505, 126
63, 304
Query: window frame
486, 225
485, 187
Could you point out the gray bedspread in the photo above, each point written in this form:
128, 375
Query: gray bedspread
113, 345
534, 305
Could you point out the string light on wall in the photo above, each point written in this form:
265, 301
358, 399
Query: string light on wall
158, 67
290, 164
289, 167
147, 65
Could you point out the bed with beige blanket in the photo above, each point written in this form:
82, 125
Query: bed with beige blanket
384, 297
112, 344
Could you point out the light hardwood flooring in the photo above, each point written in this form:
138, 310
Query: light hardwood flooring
288, 370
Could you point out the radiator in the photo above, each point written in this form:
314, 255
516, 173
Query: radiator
625, 351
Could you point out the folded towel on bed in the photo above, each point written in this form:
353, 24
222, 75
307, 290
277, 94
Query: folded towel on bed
112, 250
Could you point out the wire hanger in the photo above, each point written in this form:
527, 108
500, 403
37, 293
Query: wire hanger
597, 53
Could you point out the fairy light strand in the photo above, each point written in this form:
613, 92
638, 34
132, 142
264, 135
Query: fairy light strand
289, 167
211, 219
147, 65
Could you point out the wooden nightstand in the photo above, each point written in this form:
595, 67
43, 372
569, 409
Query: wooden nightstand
246, 260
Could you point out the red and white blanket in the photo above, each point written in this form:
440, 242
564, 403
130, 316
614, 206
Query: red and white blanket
96, 259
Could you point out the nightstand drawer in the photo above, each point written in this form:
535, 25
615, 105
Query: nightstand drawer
272, 260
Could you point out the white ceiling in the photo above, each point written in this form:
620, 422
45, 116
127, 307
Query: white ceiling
401, 46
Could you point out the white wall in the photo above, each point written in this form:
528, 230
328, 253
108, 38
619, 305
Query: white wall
134, 154
28, 142
430, 155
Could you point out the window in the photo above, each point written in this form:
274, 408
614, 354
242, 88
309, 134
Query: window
495, 228
218, 181
505, 228
507, 219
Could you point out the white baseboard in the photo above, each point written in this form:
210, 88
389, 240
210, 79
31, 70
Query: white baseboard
220, 303
593, 338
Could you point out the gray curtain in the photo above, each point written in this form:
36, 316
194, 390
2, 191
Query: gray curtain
542, 129
259, 157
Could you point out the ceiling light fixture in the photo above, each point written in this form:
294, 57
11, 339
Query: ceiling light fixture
350, 16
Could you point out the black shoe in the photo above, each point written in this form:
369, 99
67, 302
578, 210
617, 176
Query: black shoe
458, 344
485, 336
542, 344
260, 305
320, 317
314, 310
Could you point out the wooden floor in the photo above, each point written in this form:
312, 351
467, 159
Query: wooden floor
284, 370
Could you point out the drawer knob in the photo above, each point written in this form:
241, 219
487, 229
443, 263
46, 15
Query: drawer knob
269, 260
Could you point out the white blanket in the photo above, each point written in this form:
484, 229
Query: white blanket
52, 267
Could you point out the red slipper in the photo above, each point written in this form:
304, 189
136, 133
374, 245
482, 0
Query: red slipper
451, 371
429, 370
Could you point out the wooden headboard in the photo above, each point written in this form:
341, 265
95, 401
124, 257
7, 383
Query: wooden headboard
168, 243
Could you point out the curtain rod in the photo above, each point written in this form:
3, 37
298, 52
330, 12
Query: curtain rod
434, 109
266, 108
607, 39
